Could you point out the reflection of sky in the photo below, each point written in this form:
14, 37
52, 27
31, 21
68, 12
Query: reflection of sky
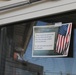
66, 65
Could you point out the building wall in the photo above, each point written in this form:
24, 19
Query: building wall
34, 10
65, 65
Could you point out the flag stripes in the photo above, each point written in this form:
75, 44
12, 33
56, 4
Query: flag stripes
67, 39
63, 41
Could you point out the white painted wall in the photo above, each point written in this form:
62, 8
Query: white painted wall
36, 10
7, 2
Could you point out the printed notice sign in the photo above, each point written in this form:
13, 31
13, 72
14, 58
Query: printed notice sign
44, 41
51, 40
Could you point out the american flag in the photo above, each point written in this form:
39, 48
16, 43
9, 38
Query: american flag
63, 40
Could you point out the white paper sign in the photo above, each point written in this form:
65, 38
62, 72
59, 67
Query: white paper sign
44, 41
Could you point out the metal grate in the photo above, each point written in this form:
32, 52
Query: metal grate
11, 68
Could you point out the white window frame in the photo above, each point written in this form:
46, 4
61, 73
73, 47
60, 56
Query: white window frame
34, 10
